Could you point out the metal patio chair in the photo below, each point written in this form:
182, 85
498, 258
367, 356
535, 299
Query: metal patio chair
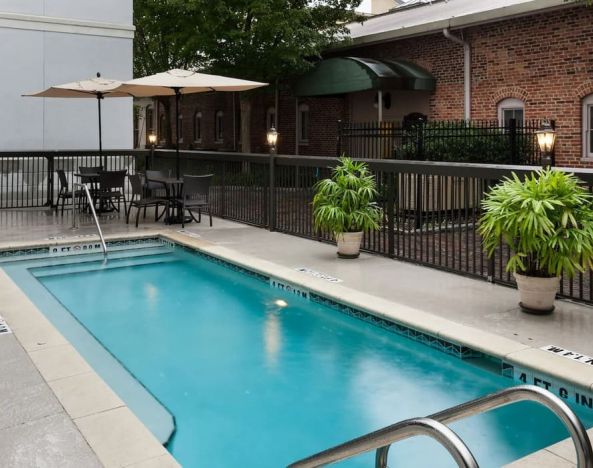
112, 187
64, 192
141, 199
154, 189
195, 195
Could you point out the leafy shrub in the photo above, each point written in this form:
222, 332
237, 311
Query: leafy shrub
346, 201
547, 221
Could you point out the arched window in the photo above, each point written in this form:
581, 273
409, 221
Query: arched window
588, 126
149, 121
271, 118
218, 127
197, 127
303, 124
180, 123
511, 108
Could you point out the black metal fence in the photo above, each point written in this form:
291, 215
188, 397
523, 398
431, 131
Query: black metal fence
431, 209
28, 178
475, 141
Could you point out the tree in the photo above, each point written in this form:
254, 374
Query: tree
166, 37
267, 40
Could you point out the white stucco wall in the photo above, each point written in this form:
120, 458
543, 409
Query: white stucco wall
46, 42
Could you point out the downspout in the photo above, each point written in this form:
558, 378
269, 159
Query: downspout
467, 72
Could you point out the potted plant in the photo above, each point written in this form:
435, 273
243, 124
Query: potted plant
345, 205
547, 221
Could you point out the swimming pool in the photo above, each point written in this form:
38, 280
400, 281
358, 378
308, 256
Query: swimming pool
260, 377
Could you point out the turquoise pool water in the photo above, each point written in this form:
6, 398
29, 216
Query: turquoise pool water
254, 384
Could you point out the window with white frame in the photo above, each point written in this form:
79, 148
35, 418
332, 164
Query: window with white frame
303, 124
271, 118
588, 126
511, 108
218, 128
197, 126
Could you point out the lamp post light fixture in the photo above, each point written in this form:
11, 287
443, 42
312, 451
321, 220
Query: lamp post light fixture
152, 141
272, 138
546, 139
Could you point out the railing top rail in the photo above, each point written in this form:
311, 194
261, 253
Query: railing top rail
383, 438
402, 430
461, 169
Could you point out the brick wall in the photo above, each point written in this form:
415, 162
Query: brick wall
546, 60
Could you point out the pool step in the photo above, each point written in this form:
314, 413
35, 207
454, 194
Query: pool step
118, 259
112, 247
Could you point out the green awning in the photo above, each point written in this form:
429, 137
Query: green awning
342, 75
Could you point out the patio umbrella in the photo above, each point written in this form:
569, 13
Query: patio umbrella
177, 82
96, 88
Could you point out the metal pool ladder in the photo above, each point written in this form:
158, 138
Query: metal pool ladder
75, 221
435, 426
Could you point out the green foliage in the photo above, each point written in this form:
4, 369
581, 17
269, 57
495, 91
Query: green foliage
264, 40
166, 37
251, 39
460, 142
546, 219
346, 202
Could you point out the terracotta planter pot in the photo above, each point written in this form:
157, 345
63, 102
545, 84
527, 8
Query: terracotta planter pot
537, 294
349, 244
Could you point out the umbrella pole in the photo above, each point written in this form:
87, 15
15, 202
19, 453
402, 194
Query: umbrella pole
177, 160
99, 97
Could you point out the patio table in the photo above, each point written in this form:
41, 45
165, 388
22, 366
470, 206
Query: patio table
173, 187
94, 180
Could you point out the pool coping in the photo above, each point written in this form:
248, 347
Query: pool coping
106, 446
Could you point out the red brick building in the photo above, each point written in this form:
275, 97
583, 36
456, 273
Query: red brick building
523, 59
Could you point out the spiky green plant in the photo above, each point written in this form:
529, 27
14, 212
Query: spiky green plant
346, 201
547, 221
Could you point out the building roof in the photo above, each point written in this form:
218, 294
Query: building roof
426, 17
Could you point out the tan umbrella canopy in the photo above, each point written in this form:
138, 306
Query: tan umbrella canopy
177, 82
97, 88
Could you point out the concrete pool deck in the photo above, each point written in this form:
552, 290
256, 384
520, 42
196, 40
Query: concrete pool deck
472, 305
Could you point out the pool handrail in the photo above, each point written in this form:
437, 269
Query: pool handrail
91, 205
401, 430
382, 439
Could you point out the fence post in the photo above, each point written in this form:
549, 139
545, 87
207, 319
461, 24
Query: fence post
339, 140
271, 197
390, 214
513, 139
553, 125
50, 181
223, 189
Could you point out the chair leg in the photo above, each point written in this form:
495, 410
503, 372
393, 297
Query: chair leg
210, 215
137, 215
183, 216
63, 200
157, 206
128, 215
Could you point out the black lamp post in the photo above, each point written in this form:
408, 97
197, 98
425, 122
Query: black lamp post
546, 139
152, 141
272, 137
